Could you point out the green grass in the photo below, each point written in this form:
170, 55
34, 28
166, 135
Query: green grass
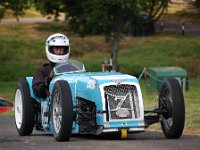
167, 50
22, 51
193, 106
7, 89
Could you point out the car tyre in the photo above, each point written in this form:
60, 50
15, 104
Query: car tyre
62, 111
171, 103
24, 109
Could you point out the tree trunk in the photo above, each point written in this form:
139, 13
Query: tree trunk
115, 48
56, 15
17, 18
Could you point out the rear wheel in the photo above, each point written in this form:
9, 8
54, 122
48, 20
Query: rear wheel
62, 111
171, 103
24, 109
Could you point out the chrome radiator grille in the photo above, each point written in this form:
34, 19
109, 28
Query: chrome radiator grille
122, 102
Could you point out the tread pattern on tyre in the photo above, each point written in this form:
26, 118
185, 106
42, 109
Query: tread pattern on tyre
67, 111
178, 109
28, 109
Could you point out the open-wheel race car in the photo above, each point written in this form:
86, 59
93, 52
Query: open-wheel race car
97, 103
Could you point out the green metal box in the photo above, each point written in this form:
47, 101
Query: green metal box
157, 74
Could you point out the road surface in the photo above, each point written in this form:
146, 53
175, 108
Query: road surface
10, 140
27, 20
177, 28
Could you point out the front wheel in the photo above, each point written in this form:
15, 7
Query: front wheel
24, 109
62, 111
171, 104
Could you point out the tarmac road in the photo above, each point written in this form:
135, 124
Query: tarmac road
177, 28
27, 20
9, 139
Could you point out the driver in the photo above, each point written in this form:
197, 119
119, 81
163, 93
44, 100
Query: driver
57, 51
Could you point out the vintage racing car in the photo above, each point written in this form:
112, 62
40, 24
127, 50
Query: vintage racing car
81, 102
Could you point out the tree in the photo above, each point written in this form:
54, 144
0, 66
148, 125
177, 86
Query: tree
149, 12
18, 7
153, 9
50, 7
3, 7
2, 11
110, 17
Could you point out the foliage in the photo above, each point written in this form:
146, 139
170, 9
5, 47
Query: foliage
2, 11
197, 2
99, 16
111, 17
50, 7
18, 7
153, 9
108, 17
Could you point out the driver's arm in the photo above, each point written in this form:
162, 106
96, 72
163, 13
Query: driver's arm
38, 83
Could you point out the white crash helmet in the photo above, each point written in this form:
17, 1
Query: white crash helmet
57, 40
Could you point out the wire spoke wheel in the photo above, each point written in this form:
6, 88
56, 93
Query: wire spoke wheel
62, 111
57, 112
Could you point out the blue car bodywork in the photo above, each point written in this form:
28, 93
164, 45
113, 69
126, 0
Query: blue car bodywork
117, 99
81, 102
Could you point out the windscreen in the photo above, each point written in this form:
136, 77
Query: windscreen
70, 66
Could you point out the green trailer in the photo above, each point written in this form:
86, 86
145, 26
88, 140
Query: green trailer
157, 74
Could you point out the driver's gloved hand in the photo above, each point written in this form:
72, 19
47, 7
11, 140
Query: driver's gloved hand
41, 91
47, 82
